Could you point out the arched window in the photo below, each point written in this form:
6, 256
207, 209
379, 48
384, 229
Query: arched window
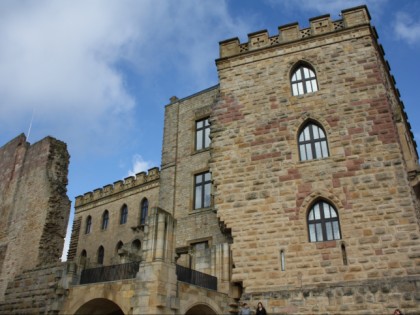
143, 212
136, 245
88, 225
105, 220
83, 258
118, 247
312, 143
323, 223
124, 214
101, 254
303, 80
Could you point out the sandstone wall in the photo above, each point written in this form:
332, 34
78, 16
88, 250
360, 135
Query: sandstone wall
34, 205
180, 162
37, 291
263, 192
130, 192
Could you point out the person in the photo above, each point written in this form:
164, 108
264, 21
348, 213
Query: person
260, 309
245, 310
398, 312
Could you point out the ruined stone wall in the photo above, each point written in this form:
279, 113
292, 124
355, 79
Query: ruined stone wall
37, 291
34, 205
263, 192
130, 192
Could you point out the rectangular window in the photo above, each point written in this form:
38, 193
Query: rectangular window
202, 134
202, 190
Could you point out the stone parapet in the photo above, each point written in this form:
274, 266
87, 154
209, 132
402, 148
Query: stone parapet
291, 32
108, 190
380, 296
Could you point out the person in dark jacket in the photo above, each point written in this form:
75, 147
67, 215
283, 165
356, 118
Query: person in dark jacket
260, 309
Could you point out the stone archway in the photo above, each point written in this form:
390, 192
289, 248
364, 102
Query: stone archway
201, 309
99, 307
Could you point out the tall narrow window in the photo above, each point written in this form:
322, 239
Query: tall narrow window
202, 190
144, 210
312, 143
323, 223
202, 134
124, 214
88, 224
83, 258
105, 220
101, 255
118, 247
282, 260
344, 254
303, 81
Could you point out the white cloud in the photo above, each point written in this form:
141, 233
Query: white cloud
406, 28
62, 59
139, 165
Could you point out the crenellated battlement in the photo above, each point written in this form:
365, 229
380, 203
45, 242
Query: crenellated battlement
118, 186
291, 32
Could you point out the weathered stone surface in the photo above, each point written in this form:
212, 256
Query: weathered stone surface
34, 205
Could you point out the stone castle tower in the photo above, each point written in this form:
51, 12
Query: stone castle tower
294, 181
315, 169
34, 206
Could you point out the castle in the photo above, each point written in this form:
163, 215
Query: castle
294, 181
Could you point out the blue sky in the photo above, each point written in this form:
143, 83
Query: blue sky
98, 74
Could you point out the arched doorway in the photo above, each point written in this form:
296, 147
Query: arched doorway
99, 307
200, 309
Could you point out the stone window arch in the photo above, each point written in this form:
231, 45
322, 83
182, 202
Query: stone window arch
312, 142
144, 209
136, 245
323, 222
88, 228
303, 79
124, 214
120, 244
83, 258
105, 220
101, 255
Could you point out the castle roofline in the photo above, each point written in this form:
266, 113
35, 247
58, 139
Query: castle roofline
291, 32
175, 99
118, 186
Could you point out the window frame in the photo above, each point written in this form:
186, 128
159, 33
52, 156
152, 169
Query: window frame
322, 222
200, 189
299, 80
88, 227
201, 134
105, 220
101, 255
144, 209
124, 214
313, 142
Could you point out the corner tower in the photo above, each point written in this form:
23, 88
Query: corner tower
315, 170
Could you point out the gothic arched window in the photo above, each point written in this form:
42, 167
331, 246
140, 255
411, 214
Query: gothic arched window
124, 214
144, 210
312, 143
101, 255
105, 220
88, 225
323, 223
303, 80
118, 247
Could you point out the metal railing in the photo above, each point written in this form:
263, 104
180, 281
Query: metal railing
195, 277
110, 273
